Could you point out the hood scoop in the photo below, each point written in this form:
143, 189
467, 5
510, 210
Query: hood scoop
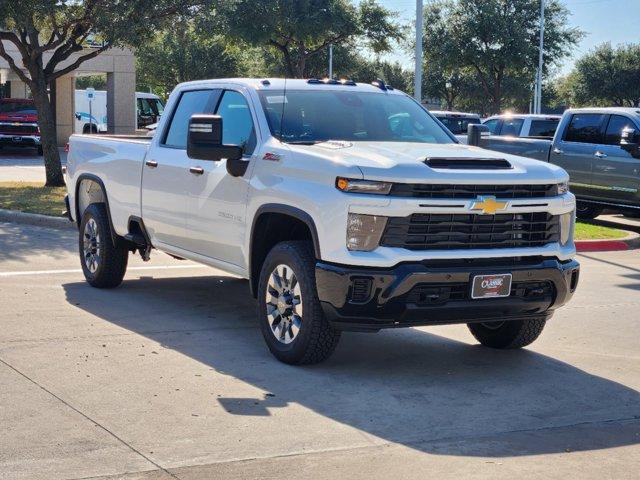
451, 163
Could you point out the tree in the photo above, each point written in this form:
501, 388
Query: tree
51, 36
606, 76
183, 53
300, 30
498, 41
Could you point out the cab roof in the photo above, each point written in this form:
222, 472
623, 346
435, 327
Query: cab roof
266, 84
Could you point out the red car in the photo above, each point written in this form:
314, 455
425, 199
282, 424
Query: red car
19, 124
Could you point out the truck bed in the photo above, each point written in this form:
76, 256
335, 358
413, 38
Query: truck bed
117, 160
531, 147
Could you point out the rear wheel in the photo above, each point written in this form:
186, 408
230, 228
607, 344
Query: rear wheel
508, 334
587, 211
291, 318
103, 263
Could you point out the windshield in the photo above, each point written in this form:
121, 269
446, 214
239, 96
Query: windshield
18, 107
311, 116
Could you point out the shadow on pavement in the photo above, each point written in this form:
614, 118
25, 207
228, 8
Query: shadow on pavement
405, 386
19, 242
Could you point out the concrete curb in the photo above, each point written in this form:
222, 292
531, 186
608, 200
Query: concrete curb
629, 243
13, 216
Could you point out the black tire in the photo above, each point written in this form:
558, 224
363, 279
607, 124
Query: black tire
111, 261
315, 340
40, 151
587, 211
509, 334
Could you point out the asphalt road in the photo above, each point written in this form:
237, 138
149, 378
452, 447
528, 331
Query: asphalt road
168, 377
22, 164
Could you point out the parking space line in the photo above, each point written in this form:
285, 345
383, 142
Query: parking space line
78, 270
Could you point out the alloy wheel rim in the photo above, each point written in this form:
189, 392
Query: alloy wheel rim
284, 304
91, 246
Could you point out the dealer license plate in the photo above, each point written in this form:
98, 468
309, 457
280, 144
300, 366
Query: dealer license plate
491, 286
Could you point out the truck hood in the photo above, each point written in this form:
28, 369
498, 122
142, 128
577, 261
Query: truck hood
405, 162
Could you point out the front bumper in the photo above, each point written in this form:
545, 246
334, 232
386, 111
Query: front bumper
438, 292
30, 141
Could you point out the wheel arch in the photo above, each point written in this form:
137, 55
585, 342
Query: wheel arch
94, 195
298, 225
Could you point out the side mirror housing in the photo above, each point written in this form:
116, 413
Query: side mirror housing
629, 138
474, 133
204, 142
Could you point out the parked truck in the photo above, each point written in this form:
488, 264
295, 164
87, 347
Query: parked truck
599, 148
346, 206
19, 124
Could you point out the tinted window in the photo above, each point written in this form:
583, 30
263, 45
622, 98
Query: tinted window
493, 125
585, 128
312, 116
190, 103
458, 125
511, 127
237, 125
543, 128
617, 123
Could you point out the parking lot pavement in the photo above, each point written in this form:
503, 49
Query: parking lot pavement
23, 165
168, 377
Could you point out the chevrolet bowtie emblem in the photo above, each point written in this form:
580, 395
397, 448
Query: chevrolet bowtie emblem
488, 205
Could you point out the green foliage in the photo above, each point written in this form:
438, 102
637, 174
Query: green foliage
98, 82
494, 44
182, 54
604, 77
299, 30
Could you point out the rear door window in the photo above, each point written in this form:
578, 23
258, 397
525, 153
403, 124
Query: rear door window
543, 128
617, 123
586, 128
190, 103
511, 127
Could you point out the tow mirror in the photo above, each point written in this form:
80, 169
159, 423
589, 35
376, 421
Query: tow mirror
204, 142
474, 133
630, 141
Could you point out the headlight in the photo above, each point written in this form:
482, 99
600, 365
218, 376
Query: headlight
566, 227
563, 188
364, 231
363, 186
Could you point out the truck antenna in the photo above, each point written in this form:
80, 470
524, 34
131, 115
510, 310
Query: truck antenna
284, 102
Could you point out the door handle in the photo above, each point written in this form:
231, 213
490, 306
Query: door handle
557, 151
600, 155
196, 170
151, 163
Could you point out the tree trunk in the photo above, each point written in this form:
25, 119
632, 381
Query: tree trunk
47, 124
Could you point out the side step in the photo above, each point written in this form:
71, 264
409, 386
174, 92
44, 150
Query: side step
136, 238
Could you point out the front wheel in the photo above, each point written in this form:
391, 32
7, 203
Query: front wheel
291, 319
103, 263
508, 334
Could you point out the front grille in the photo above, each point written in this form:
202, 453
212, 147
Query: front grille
424, 231
9, 129
421, 190
433, 294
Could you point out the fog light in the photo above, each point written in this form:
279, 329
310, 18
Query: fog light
364, 231
566, 227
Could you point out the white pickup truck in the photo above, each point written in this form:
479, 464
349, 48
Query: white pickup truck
347, 207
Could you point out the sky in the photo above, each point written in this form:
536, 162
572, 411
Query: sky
615, 21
